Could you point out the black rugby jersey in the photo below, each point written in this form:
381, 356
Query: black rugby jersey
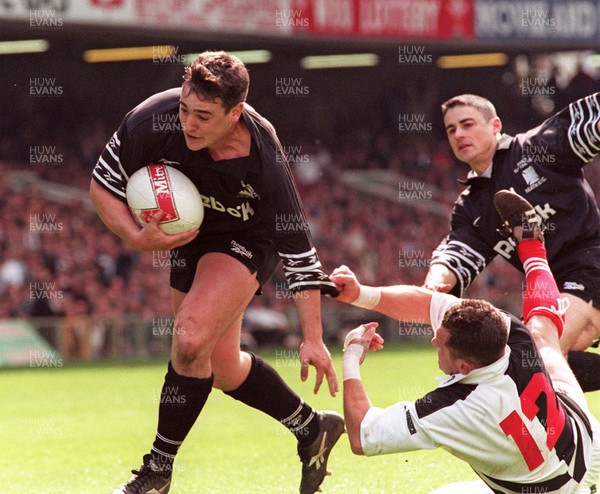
254, 196
544, 165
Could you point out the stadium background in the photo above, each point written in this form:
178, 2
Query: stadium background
366, 144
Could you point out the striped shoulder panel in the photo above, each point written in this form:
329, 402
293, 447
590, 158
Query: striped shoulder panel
443, 398
584, 138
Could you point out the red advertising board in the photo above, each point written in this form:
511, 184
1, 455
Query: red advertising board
433, 19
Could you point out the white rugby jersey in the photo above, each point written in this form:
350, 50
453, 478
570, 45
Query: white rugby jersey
504, 419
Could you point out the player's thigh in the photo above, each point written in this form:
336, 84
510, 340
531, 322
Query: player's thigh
176, 299
221, 290
474, 487
582, 324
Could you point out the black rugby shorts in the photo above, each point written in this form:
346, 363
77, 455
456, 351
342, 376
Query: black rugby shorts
578, 274
258, 255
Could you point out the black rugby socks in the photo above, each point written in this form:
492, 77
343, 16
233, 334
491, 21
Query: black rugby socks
181, 400
586, 367
264, 390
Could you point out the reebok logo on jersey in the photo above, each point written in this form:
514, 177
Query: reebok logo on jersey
240, 249
573, 285
247, 191
113, 143
108, 177
243, 211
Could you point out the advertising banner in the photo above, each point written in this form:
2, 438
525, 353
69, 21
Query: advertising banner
537, 19
399, 19
432, 19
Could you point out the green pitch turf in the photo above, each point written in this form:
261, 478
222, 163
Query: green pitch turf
80, 430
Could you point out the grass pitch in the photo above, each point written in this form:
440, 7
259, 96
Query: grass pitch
80, 430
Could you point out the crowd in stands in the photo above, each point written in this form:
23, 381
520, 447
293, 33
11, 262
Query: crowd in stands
58, 259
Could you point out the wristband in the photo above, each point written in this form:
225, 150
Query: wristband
368, 297
351, 362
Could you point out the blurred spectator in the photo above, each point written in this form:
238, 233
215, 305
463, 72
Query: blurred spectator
57, 259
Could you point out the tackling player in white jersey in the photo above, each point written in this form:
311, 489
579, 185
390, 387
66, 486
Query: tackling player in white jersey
510, 406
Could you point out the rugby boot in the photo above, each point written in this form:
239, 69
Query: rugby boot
314, 456
518, 216
149, 479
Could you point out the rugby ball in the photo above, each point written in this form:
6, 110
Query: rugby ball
162, 187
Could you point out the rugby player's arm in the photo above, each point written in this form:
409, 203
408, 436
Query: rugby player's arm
400, 302
115, 214
439, 278
356, 406
405, 303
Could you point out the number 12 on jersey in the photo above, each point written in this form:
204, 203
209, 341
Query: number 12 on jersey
554, 416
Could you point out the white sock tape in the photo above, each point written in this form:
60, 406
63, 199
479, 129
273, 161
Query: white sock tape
368, 298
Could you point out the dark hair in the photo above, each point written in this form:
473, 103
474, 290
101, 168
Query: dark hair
218, 74
477, 332
483, 105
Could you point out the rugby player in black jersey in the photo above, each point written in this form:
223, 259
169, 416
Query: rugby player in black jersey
236, 161
545, 166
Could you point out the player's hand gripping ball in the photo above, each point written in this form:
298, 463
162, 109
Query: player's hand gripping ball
162, 187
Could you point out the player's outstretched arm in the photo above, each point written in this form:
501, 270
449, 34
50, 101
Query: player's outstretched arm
313, 350
439, 279
400, 302
116, 216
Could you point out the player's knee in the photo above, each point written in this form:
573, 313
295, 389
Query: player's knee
193, 341
584, 337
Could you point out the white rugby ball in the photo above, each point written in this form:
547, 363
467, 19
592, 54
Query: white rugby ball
162, 187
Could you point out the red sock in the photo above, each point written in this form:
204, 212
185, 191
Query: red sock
542, 296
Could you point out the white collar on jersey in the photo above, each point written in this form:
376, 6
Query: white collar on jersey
486, 174
480, 375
